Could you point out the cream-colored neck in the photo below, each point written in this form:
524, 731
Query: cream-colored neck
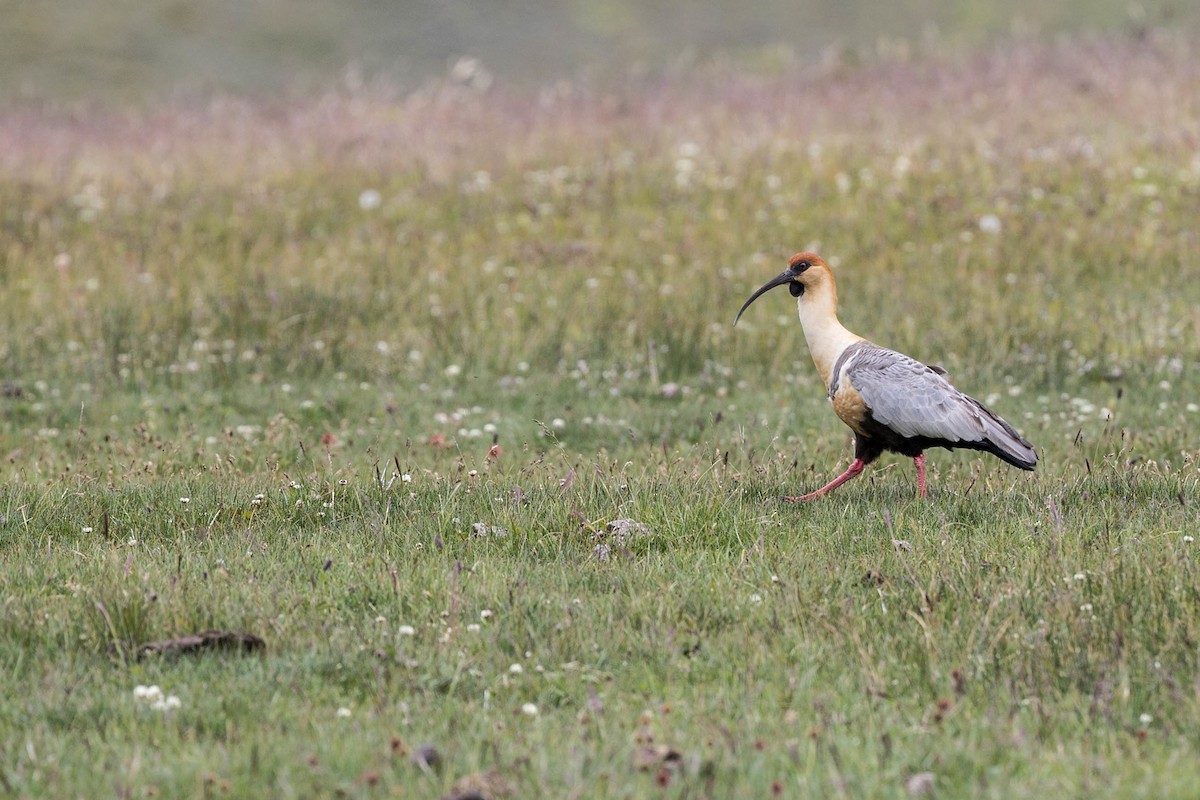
826, 335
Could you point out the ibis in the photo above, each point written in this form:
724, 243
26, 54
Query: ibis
892, 402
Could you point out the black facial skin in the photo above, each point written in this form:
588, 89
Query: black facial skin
788, 276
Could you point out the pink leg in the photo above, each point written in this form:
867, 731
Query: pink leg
851, 472
919, 463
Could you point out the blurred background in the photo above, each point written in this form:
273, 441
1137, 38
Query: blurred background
139, 51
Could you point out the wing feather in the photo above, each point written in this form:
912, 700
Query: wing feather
914, 400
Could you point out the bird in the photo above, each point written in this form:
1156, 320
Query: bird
892, 402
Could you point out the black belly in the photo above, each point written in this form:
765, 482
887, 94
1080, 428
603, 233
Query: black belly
881, 438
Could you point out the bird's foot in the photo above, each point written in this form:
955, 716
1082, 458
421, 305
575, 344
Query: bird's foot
802, 498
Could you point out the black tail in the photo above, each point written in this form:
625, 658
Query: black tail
1002, 441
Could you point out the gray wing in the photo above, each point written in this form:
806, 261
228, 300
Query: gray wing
913, 400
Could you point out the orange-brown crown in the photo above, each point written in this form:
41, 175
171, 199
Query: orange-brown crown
811, 259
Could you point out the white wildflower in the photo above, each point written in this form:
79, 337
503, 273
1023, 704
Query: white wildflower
989, 223
529, 709
168, 703
369, 200
147, 694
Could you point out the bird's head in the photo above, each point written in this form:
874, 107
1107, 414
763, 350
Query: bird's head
805, 272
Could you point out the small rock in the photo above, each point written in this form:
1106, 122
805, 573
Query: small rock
625, 530
489, 785
652, 756
427, 758
919, 784
207, 641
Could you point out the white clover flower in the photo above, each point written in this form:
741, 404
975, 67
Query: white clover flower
147, 694
515, 669
185, 500
406, 478
1145, 719
168, 703
474, 627
406, 630
487, 613
756, 598
529, 709
369, 200
1079, 576
343, 713
1188, 539
989, 223
558, 423
87, 528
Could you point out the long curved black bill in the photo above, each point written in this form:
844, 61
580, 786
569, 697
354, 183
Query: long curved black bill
784, 277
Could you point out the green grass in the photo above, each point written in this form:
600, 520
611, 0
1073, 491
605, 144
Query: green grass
218, 362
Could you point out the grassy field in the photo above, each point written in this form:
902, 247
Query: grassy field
255, 358
140, 51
